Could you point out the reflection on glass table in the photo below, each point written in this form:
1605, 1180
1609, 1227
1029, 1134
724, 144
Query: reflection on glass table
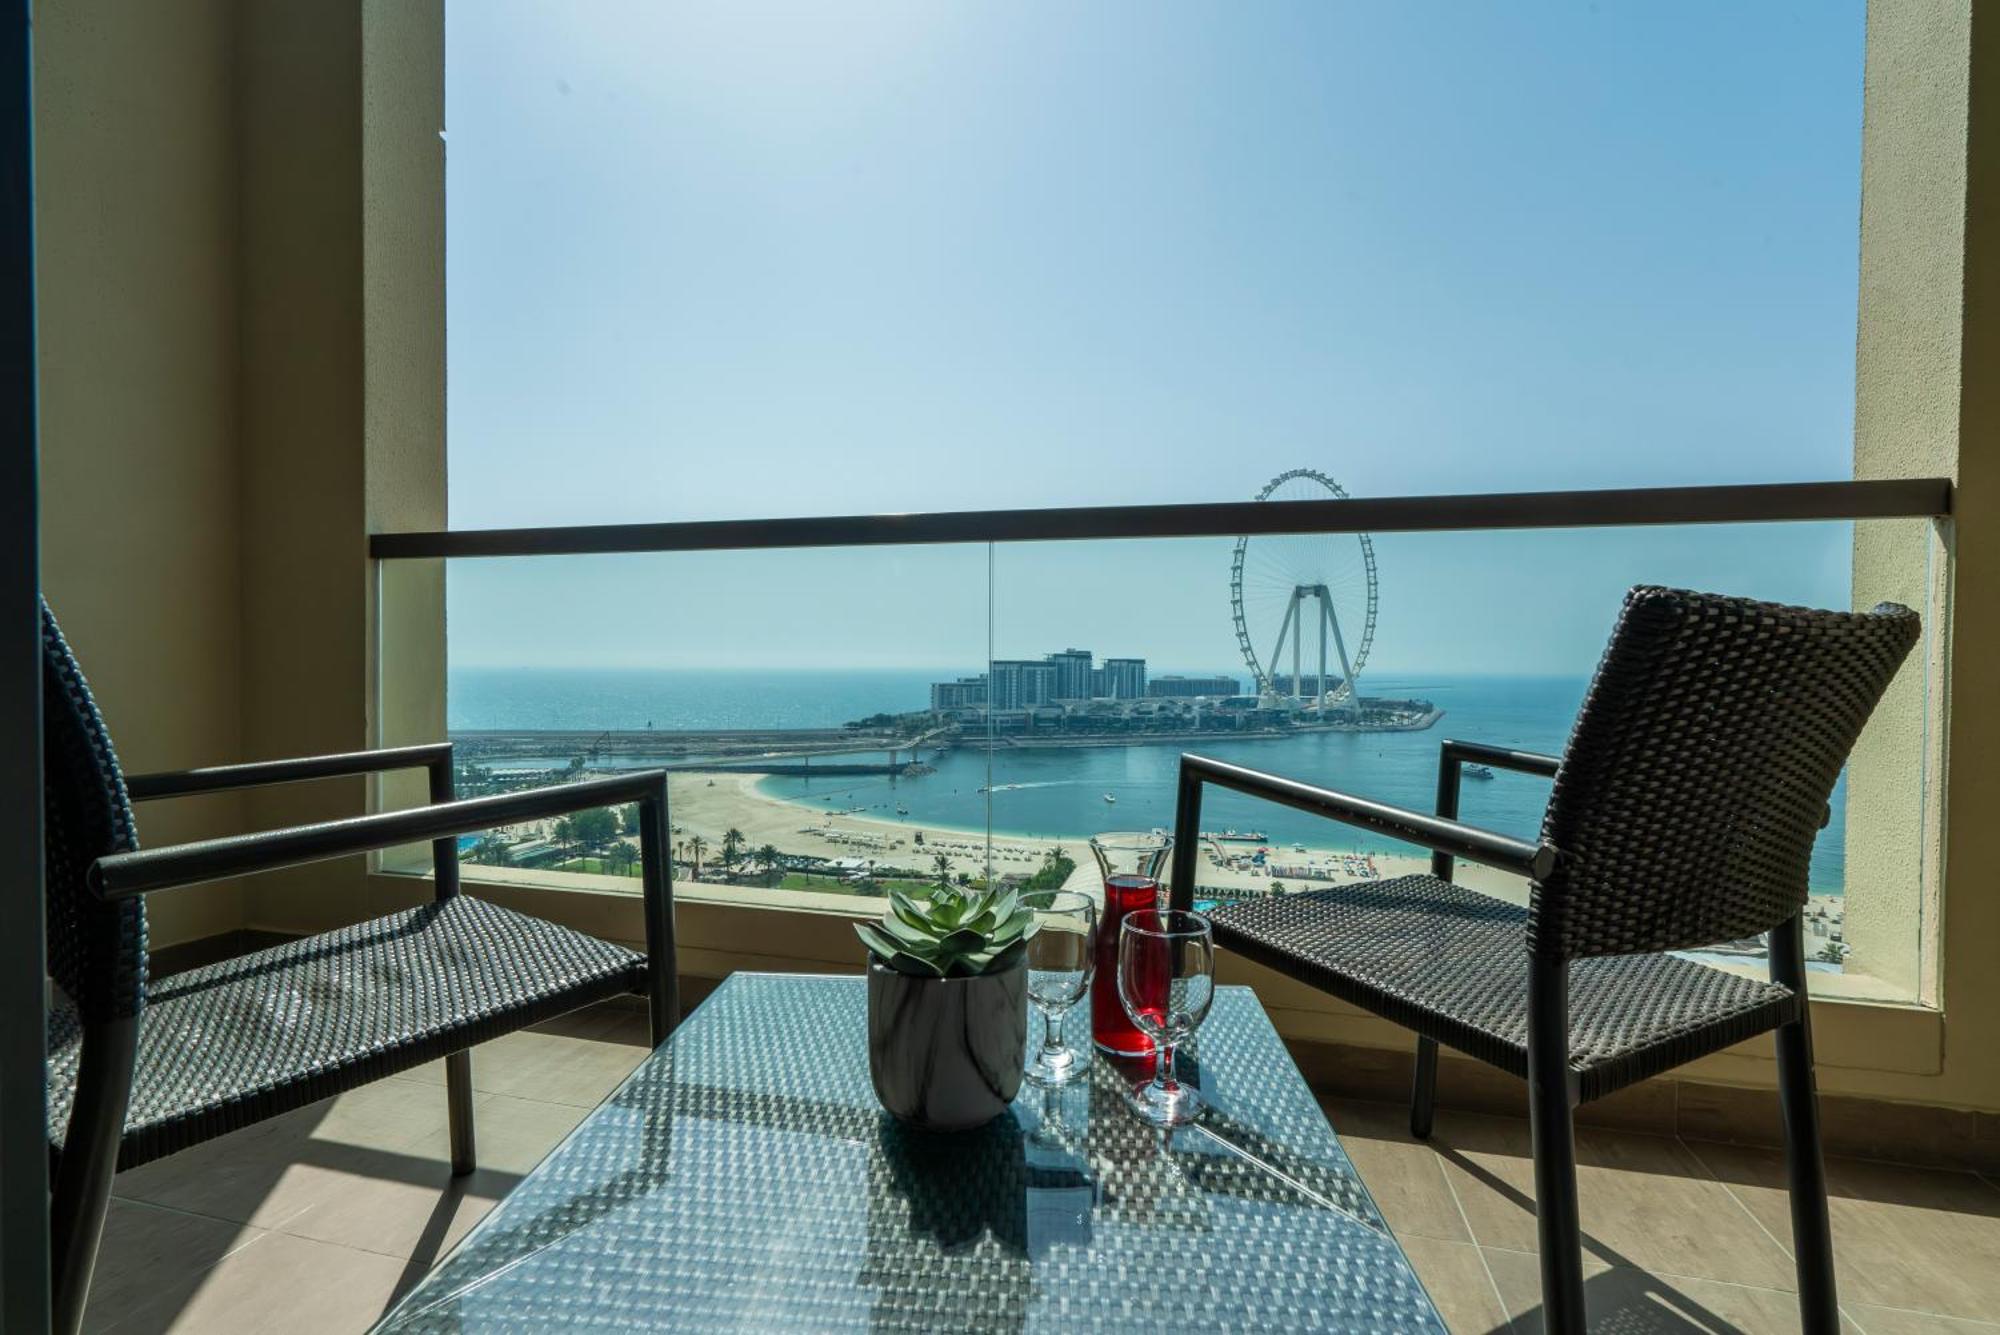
745, 1178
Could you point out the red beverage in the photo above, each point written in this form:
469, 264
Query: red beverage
1110, 1027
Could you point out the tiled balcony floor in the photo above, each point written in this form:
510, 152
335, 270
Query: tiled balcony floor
318, 1220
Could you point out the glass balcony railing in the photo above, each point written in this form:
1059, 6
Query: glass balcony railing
839, 719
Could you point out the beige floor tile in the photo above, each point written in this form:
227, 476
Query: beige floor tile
278, 1283
150, 1254
510, 1135
266, 1173
1918, 1239
1645, 1201
1889, 1321
578, 1068
1455, 1275
1627, 1299
1401, 1173
421, 1218
424, 1214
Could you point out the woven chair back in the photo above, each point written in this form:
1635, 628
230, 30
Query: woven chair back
1699, 770
96, 951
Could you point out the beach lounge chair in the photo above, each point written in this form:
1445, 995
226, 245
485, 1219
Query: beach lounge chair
1684, 812
138, 1070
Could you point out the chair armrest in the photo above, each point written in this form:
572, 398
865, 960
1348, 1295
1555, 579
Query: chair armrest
1452, 752
122, 875
1454, 756
221, 778
1440, 834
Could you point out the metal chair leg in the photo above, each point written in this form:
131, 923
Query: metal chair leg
458, 1098
1798, 1100
1559, 1225
82, 1191
1423, 1089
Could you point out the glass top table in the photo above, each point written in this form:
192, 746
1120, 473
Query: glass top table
744, 1177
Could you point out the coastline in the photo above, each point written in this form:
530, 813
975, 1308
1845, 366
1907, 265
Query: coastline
712, 804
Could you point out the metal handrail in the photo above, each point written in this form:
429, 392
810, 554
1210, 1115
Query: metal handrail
1781, 502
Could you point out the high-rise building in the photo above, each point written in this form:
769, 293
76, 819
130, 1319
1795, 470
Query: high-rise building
1123, 679
1072, 674
1016, 683
1171, 687
965, 693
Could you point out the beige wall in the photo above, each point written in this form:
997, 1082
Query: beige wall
209, 263
141, 548
305, 591
1926, 405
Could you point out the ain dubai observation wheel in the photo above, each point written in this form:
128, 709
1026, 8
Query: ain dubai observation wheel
1304, 604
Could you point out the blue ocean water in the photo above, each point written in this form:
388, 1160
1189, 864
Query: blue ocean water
1058, 793
577, 699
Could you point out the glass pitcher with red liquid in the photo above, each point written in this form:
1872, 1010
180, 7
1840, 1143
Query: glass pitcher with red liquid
1130, 864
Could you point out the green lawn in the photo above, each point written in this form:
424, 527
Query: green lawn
597, 867
833, 885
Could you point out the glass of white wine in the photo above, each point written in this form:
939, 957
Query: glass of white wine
1061, 956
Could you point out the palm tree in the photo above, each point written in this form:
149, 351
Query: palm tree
941, 864
732, 844
621, 856
768, 855
565, 835
696, 847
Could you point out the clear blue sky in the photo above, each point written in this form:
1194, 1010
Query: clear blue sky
732, 259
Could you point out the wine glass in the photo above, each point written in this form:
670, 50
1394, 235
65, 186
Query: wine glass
1061, 955
1166, 980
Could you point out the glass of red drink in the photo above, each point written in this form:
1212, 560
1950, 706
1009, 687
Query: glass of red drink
1130, 864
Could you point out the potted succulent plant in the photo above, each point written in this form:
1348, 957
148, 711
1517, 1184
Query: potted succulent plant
947, 1005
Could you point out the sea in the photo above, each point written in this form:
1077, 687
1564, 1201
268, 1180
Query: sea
1061, 793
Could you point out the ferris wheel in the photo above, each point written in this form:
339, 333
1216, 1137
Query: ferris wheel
1295, 588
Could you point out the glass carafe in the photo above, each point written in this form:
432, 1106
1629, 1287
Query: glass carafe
1130, 864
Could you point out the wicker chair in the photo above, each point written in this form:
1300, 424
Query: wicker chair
137, 1070
1684, 811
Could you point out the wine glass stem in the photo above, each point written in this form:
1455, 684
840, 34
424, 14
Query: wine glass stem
1051, 1031
1163, 1070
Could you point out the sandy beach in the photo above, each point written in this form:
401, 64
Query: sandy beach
710, 805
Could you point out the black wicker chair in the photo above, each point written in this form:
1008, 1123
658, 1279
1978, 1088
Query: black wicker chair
138, 1071
1684, 811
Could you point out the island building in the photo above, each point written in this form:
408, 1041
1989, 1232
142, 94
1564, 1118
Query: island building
1074, 678
1174, 687
965, 693
1018, 683
1069, 675
1121, 679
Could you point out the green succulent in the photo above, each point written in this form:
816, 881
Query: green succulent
950, 934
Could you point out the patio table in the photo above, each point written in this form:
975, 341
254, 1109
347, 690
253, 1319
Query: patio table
744, 1177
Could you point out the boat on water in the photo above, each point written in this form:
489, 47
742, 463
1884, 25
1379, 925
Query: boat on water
1478, 772
1109, 798
902, 811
